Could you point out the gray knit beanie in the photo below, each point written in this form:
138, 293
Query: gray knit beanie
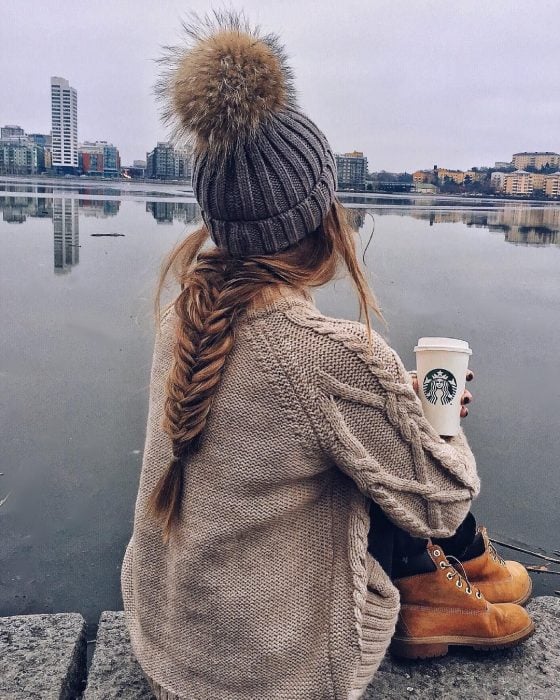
263, 174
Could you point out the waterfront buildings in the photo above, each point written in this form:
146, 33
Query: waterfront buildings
64, 115
537, 160
441, 175
19, 153
160, 163
99, 158
351, 169
168, 163
518, 182
497, 181
524, 183
552, 184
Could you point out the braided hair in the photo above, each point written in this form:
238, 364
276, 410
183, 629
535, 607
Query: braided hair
215, 288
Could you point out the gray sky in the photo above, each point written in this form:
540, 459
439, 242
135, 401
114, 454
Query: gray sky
411, 83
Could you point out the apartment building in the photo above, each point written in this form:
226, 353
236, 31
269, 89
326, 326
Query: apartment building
537, 159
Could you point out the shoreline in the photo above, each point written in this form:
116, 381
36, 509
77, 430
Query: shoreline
185, 186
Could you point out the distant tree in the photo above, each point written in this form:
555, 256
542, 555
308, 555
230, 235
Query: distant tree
538, 193
404, 177
449, 186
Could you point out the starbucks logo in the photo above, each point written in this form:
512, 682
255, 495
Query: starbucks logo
439, 386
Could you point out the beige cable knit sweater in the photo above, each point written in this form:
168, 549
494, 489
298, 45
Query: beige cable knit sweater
269, 592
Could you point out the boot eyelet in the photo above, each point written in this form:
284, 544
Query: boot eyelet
436, 552
442, 565
459, 583
468, 590
450, 575
478, 595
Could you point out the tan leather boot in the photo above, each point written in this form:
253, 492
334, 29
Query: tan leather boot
499, 581
439, 609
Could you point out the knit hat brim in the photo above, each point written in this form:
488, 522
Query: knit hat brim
276, 233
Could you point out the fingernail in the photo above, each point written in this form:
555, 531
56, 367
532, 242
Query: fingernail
466, 400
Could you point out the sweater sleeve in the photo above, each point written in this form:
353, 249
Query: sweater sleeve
372, 425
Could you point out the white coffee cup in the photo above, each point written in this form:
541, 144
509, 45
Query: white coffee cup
441, 367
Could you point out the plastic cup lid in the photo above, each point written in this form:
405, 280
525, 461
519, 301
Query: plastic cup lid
449, 344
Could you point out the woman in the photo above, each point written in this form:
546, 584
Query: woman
272, 428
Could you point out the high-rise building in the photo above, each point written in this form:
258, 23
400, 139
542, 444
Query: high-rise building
64, 112
351, 170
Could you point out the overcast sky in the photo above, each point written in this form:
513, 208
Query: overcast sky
412, 83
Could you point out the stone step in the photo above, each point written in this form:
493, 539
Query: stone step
531, 670
114, 671
42, 657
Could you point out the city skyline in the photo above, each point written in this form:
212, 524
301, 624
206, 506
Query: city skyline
408, 84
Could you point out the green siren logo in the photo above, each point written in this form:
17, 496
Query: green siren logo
439, 386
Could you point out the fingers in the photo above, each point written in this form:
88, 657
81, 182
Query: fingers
467, 396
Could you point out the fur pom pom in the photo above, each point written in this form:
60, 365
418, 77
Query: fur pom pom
223, 82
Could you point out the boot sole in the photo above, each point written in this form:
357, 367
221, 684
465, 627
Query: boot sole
432, 647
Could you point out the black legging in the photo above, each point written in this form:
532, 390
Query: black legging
390, 545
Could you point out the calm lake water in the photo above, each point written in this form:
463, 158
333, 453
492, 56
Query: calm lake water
76, 342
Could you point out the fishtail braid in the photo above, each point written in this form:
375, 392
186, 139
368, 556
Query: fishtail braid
215, 288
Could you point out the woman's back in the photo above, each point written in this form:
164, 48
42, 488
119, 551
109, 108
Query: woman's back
263, 589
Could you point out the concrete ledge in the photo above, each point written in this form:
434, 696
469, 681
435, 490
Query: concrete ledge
114, 671
42, 657
530, 671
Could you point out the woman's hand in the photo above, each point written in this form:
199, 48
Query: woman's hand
465, 398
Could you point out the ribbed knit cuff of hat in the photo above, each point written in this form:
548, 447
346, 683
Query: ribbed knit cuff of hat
267, 236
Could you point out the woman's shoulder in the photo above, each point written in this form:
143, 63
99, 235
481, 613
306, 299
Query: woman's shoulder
341, 334
315, 344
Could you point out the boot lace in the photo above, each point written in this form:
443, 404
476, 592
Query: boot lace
494, 554
460, 579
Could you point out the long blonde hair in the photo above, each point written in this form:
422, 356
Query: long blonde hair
216, 287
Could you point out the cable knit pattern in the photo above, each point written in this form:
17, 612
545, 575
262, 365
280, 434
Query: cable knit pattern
268, 590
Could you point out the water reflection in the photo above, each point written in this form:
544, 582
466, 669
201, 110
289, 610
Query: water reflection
168, 212
521, 225
66, 227
16, 209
